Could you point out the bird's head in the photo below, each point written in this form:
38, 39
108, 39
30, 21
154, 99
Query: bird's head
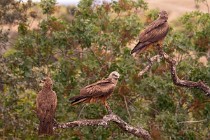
163, 15
115, 75
47, 82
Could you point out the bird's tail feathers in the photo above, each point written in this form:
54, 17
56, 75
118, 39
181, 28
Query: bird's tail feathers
140, 46
45, 127
78, 99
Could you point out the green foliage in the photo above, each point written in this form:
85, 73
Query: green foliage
88, 47
152, 15
48, 6
197, 25
11, 12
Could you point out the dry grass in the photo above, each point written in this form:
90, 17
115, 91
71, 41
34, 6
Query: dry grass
176, 8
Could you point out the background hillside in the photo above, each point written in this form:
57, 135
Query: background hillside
178, 8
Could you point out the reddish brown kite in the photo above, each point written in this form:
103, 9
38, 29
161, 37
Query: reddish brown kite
46, 103
154, 33
98, 91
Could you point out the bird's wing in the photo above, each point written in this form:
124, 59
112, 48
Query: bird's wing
98, 89
54, 100
39, 111
150, 32
46, 107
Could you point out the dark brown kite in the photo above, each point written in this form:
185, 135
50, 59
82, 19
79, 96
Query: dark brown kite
154, 33
46, 103
98, 91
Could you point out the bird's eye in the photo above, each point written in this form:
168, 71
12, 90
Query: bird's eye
115, 76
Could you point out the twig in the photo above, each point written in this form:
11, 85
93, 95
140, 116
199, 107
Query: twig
134, 99
98, 60
201, 85
80, 112
193, 121
148, 67
138, 132
126, 105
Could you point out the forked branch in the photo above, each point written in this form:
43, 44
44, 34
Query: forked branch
201, 85
148, 67
138, 132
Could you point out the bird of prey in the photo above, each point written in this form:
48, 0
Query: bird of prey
46, 103
154, 33
98, 91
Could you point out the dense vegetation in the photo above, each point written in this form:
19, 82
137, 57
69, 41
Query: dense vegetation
86, 47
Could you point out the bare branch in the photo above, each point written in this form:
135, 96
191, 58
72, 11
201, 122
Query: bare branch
201, 85
126, 105
192, 121
138, 132
148, 67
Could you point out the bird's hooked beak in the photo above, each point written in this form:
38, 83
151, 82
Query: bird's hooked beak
115, 75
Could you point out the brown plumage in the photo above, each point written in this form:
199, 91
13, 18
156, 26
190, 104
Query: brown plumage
98, 91
46, 103
154, 33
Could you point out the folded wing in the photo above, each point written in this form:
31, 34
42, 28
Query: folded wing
156, 31
94, 92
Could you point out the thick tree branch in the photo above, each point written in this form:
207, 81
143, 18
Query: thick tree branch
201, 85
138, 132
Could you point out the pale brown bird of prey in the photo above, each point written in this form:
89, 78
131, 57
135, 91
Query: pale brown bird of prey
46, 103
98, 91
154, 33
